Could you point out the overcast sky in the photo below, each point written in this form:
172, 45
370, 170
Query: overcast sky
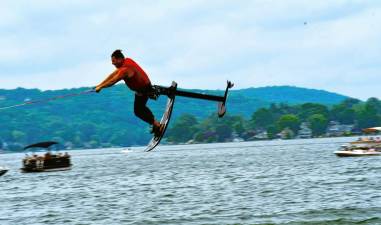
331, 45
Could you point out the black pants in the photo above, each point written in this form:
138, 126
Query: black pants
140, 108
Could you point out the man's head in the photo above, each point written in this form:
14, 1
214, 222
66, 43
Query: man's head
117, 58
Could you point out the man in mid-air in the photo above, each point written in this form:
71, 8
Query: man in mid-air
137, 80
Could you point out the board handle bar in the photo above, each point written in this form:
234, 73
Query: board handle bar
160, 90
199, 96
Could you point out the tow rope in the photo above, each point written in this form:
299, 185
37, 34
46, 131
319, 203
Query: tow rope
48, 99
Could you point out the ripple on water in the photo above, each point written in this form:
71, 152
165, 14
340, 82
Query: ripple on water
291, 182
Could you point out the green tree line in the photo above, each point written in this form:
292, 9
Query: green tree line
107, 119
84, 131
276, 118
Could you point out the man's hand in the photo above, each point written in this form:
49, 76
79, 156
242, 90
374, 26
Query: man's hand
98, 89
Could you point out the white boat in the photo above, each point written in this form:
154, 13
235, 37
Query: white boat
357, 152
361, 147
3, 170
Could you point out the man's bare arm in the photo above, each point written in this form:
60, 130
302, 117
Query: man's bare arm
113, 78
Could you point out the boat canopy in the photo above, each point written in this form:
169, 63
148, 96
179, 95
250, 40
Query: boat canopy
45, 144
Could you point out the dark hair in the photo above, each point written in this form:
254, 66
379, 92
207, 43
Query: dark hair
118, 54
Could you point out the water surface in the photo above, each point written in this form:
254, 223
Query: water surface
270, 182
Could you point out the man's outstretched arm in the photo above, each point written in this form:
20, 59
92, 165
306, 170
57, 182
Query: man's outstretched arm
113, 78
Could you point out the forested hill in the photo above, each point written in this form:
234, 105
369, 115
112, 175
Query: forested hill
108, 117
243, 102
292, 95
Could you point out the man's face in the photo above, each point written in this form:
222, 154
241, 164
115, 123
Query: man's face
117, 62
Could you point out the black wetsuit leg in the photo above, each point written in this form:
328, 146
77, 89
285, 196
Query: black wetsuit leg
141, 110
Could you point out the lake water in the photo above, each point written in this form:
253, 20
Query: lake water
269, 182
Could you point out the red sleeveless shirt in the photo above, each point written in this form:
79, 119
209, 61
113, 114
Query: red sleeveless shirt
140, 80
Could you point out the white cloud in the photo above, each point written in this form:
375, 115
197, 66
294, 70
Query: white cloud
87, 74
198, 43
